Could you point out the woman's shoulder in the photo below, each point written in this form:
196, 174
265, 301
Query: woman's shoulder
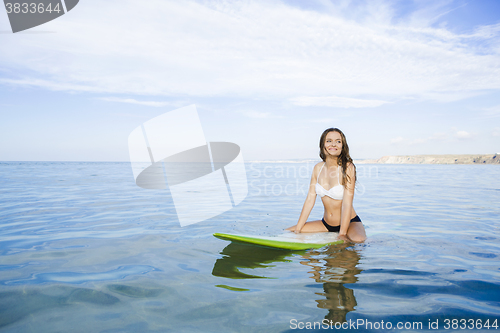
350, 167
318, 166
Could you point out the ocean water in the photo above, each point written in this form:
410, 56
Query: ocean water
83, 249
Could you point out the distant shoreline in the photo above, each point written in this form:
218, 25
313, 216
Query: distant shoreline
406, 159
409, 159
435, 159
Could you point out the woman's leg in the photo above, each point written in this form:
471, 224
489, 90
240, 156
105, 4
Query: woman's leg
356, 232
313, 226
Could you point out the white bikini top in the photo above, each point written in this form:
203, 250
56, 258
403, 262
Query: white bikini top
336, 192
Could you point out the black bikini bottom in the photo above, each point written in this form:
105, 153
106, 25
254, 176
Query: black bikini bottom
337, 227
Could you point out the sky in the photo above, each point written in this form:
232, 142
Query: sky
397, 77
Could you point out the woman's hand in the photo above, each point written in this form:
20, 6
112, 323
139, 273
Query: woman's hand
297, 231
344, 238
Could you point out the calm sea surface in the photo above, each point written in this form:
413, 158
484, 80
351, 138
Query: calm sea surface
83, 249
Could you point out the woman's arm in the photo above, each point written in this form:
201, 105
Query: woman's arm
310, 201
345, 215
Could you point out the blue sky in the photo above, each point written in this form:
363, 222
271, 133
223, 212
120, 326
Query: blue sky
398, 77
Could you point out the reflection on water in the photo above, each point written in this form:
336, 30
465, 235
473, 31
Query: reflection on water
237, 255
333, 266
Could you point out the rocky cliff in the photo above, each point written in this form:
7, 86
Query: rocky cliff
437, 159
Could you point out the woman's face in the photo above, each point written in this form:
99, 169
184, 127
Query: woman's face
333, 144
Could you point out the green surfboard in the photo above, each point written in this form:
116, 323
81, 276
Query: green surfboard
288, 241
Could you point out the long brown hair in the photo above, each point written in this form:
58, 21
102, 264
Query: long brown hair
344, 156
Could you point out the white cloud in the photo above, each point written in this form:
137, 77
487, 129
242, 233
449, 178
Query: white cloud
259, 114
134, 101
488, 31
323, 120
434, 138
335, 101
462, 135
428, 15
397, 140
438, 137
262, 49
492, 112
418, 141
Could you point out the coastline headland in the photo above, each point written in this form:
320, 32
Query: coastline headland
435, 159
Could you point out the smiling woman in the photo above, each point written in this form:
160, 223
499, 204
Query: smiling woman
339, 176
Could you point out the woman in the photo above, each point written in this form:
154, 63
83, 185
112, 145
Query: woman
336, 173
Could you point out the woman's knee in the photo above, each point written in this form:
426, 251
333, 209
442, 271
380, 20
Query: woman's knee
357, 234
357, 238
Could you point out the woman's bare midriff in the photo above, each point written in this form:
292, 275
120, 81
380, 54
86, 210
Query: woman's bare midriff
332, 210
